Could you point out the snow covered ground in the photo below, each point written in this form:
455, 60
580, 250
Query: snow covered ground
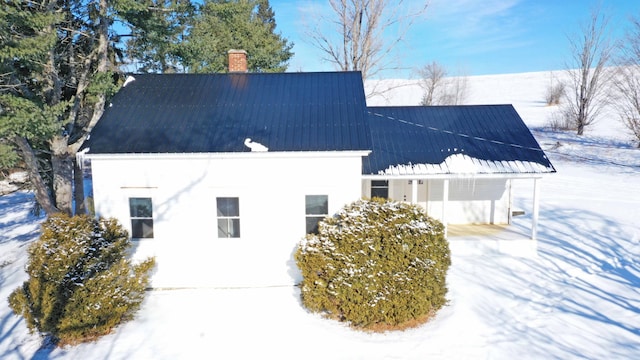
576, 297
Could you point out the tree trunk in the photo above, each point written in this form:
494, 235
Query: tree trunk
98, 110
62, 166
41, 191
78, 189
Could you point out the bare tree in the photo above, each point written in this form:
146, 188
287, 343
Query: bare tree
440, 89
456, 90
555, 91
589, 76
627, 80
356, 40
432, 77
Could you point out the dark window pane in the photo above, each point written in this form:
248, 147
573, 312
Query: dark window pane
234, 228
380, 192
228, 228
228, 206
312, 224
383, 183
317, 204
141, 228
380, 188
140, 207
141, 211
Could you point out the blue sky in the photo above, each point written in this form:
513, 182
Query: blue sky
473, 37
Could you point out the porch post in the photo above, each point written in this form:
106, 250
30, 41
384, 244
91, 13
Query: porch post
414, 192
445, 199
536, 208
510, 214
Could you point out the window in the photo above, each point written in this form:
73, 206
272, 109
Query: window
316, 209
228, 217
380, 188
141, 212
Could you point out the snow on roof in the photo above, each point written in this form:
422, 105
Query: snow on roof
464, 164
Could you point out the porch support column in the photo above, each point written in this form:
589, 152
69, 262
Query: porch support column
445, 199
414, 192
536, 209
510, 215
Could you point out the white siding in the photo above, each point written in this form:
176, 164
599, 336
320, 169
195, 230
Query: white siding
471, 201
271, 189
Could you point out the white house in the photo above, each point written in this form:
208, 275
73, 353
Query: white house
172, 160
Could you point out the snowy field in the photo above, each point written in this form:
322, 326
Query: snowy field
577, 296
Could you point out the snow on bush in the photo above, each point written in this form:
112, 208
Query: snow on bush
376, 264
81, 285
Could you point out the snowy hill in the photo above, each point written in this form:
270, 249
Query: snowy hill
576, 296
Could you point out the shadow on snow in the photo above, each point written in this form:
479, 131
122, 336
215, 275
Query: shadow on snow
581, 290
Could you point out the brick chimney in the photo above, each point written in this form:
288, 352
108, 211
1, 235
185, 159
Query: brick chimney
237, 61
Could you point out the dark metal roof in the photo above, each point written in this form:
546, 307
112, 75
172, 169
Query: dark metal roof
493, 136
193, 113
183, 113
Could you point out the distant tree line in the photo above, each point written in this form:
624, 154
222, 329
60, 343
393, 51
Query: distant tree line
60, 61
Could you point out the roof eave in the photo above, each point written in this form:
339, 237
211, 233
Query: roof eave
230, 155
451, 176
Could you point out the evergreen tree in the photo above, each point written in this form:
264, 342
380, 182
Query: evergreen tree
81, 285
54, 55
158, 28
266, 14
376, 264
222, 25
58, 62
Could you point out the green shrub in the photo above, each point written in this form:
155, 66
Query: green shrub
376, 264
81, 285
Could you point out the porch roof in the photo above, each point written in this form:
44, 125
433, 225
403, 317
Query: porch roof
432, 140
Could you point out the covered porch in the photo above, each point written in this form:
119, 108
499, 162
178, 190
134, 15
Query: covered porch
472, 205
458, 162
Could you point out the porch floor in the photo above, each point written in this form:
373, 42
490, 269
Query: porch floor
475, 230
476, 239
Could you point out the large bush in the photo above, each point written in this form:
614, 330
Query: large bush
81, 284
376, 264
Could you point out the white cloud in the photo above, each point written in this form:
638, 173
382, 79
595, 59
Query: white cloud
465, 28
471, 18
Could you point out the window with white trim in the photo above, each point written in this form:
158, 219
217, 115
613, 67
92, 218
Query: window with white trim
316, 209
141, 212
228, 217
380, 188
